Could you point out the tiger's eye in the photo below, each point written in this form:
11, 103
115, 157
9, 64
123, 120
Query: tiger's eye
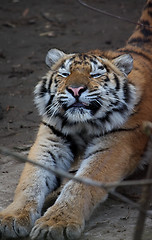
96, 75
64, 74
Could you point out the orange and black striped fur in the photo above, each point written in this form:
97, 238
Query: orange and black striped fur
93, 108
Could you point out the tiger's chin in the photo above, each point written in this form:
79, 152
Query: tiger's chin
78, 114
81, 111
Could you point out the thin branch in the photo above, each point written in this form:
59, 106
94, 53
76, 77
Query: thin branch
145, 203
87, 181
112, 15
125, 199
64, 174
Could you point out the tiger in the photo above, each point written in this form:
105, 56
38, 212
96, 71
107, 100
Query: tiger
93, 107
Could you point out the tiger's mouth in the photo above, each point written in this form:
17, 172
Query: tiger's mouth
79, 105
92, 106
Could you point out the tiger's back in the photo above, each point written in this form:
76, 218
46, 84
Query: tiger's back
93, 107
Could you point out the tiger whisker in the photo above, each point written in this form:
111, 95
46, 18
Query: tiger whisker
101, 104
117, 99
54, 107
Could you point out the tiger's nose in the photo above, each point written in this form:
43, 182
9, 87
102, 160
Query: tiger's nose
76, 91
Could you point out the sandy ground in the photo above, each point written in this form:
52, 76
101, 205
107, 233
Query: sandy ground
28, 29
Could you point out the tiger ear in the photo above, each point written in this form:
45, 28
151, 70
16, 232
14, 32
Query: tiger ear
53, 56
124, 63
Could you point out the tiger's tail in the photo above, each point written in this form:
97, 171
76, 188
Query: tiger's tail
142, 36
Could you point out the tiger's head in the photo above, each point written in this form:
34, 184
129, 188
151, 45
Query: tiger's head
86, 87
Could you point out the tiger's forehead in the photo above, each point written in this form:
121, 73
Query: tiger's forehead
82, 61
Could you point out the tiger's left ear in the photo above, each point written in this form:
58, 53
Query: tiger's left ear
124, 63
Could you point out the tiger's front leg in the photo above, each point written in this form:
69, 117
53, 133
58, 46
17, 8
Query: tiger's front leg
35, 183
105, 161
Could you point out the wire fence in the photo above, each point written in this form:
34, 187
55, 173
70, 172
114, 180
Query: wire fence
145, 183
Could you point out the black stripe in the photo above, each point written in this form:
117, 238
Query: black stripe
80, 55
93, 61
121, 109
145, 22
58, 183
126, 91
106, 68
63, 65
135, 52
150, 13
107, 79
95, 152
64, 120
77, 62
50, 82
106, 118
73, 171
115, 131
139, 41
48, 105
71, 59
52, 156
146, 32
117, 82
93, 123
148, 5
85, 57
67, 138
124, 130
115, 109
55, 131
94, 107
43, 89
67, 123
101, 67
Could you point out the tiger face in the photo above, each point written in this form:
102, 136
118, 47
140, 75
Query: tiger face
82, 88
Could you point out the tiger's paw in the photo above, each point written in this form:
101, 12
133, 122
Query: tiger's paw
15, 223
58, 224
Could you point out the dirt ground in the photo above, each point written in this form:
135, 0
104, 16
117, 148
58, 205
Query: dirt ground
28, 29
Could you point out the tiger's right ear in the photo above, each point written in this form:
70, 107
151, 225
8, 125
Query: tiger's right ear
53, 56
124, 63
